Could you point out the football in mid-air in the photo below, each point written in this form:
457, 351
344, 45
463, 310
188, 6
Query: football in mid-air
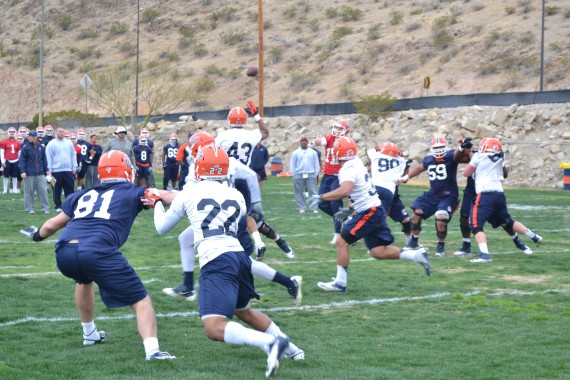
252, 71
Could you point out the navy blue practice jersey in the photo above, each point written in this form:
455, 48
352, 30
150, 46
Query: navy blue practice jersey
442, 174
102, 217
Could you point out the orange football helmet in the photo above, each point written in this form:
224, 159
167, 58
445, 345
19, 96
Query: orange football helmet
144, 132
23, 131
114, 166
73, 137
490, 145
344, 149
390, 149
12, 132
212, 163
173, 136
237, 117
439, 147
81, 134
66, 134
340, 128
49, 130
20, 138
199, 140
41, 131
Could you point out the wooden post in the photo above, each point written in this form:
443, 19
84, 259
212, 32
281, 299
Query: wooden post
260, 59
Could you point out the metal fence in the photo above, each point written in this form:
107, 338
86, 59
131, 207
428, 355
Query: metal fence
448, 101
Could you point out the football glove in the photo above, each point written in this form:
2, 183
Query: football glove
467, 143
251, 108
151, 196
342, 214
32, 233
314, 201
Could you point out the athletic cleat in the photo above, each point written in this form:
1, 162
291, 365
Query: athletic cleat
422, 259
522, 246
292, 352
440, 250
332, 286
412, 244
89, 340
159, 355
483, 258
295, 290
260, 251
537, 240
276, 350
465, 250
181, 291
285, 248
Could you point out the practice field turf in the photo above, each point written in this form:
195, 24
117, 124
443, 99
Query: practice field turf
505, 320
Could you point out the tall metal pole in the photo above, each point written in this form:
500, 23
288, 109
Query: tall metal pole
542, 51
137, 68
40, 113
260, 53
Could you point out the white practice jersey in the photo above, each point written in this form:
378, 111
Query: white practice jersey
239, 143
363, 195
385, 170
488, 171
214, 210
237, 170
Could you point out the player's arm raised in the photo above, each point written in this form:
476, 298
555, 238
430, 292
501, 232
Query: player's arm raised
253, 111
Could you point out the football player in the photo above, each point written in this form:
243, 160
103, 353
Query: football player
9, 153
237, 141
91, 177
329, 181
226, 282
442, 199
96, 223
368, 221
169, 163
490, 204
144, 132
49, 135
83, 158
143, 155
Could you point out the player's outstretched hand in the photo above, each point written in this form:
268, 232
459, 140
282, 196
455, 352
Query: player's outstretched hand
467, 143
342, 214
251, 108
314, 201
29, 231
151, 196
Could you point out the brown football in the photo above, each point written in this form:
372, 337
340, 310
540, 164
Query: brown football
252, 71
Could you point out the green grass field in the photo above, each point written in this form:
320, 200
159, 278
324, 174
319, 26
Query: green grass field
505, 320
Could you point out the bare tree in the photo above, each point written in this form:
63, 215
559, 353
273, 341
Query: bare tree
159, 93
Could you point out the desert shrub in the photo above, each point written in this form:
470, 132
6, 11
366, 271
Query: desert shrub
64, 22
375, 106
118, 28
149, 15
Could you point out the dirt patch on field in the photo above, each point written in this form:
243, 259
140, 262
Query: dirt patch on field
527, 279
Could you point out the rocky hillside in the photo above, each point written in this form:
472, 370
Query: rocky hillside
314, 51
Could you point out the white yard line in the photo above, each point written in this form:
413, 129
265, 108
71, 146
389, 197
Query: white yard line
332, 305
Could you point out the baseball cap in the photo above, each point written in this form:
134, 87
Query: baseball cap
304, 138
33, 133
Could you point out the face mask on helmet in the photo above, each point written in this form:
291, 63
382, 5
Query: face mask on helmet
340, 128
49, 130
81, 134
144, 132
199, 140
11, 132
439, 147
40, 131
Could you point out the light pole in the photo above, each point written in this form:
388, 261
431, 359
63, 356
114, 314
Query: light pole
137, 65
542, 51
40, 113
